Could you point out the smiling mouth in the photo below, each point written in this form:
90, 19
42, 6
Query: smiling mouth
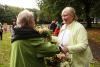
65, 20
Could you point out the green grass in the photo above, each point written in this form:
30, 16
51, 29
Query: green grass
98, 39
95, 64
96, 25
5, 47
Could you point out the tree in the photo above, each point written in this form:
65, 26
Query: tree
8, 13
85, 9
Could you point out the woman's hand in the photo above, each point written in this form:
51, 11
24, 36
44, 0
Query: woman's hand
63, 49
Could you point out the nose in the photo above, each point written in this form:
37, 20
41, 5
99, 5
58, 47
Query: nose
64, 17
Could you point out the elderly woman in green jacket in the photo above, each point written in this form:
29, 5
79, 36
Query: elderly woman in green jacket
28, 46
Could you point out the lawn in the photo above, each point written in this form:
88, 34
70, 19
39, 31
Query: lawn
94, 34
5, 47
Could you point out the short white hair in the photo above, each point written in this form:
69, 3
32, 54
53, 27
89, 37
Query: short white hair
71, 10
25, 17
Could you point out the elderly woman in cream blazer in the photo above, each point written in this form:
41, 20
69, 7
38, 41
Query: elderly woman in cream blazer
73, 40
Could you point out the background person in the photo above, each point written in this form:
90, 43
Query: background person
1, 31
53, 25
57, 30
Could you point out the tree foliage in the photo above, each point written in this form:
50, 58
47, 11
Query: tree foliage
85, 9
9, 13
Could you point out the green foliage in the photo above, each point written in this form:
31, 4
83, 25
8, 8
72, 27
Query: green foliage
5, 47
51, 9
8, 13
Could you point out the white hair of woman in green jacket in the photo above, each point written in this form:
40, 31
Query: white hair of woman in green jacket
25, 18
28, 46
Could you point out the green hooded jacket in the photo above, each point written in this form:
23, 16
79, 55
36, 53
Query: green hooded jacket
29, 48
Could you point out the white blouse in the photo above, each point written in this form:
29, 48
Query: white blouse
64, 36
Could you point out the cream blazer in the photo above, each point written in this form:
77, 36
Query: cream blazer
74, 36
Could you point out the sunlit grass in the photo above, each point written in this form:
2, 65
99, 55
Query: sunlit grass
94, 34
5, 47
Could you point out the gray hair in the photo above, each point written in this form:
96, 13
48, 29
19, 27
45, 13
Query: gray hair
25, 18
72, 11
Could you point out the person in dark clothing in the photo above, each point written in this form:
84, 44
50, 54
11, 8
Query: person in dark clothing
1, 31
53, 25
57, 30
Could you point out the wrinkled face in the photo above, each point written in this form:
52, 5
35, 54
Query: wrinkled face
67, 16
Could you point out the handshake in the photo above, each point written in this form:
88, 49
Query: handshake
63, 48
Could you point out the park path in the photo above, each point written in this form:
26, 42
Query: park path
95, 47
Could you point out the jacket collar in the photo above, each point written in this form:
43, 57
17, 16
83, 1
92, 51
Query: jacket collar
65, 26
24, 33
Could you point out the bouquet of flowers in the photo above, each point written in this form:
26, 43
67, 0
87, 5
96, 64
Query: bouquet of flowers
53, 61
45, 33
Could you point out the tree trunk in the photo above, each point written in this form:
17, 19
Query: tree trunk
89, 24
88, 19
